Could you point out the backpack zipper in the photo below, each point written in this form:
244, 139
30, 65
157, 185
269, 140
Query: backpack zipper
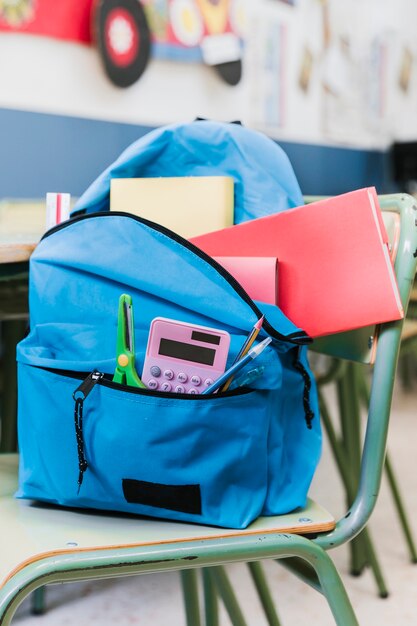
89, 381
298, 337
79, 395
83, 391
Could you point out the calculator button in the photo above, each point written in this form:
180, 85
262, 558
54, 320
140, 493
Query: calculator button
169, 374
193, 391
166, 386
155, 371
182, 377
196, 380
180, 389
152, 384
208, 382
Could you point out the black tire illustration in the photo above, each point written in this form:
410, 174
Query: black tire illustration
123, 39
230, 72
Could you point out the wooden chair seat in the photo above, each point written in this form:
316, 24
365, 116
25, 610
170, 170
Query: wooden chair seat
30, 532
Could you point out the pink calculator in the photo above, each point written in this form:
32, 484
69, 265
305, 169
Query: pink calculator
184, 358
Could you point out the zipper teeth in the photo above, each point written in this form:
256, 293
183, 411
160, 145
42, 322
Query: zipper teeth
298, 337
241, 391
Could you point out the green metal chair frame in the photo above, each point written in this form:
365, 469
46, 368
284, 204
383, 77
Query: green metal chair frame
408, 354
306, 556
353, 395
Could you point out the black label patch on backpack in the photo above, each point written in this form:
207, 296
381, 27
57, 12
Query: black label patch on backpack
184, 498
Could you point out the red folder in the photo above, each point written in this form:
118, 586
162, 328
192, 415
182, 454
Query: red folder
257, 275
335, 273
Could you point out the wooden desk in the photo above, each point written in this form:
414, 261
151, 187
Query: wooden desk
15, 252
22, 224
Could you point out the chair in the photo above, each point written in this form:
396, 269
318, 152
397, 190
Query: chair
350, 379
41, 544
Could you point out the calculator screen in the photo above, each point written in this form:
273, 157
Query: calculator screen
186, 351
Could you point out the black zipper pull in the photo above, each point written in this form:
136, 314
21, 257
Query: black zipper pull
79, 395
309, 413
87, 385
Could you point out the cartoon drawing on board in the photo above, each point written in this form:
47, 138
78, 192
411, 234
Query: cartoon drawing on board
127, 32
123, 38
17, 12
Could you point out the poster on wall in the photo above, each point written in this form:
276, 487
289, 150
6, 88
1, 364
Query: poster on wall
351, 82
127, 32
342, 98
375, 83
268, 61
199, 30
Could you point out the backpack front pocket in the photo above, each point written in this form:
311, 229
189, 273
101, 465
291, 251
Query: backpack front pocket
192, 458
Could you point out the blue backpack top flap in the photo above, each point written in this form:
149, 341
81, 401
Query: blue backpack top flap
81, 267
264, 180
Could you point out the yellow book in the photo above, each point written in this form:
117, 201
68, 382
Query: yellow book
188, 205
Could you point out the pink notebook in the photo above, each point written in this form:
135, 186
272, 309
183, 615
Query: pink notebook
257, 275
335, 272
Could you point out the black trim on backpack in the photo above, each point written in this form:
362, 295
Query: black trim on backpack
309, 414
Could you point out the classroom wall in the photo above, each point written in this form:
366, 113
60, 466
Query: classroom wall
54, 152
334, 82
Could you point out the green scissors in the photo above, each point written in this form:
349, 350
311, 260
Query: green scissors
125, 372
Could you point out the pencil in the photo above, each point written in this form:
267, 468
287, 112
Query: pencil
245, 349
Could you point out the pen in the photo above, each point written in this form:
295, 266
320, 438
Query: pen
248, 378
252, 354
245, 348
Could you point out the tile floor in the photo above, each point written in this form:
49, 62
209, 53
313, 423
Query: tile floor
156, 599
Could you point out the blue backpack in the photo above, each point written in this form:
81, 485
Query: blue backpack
221, 459
264, 180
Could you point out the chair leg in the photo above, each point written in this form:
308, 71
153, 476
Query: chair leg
264, 594
331, 586
190, 595
393, 485
38, 601
348, 479
372, 561
349, 411
229, 600
314, 566
226, 593
211, 610
400, 509
361, 549
335, 592
362, 552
